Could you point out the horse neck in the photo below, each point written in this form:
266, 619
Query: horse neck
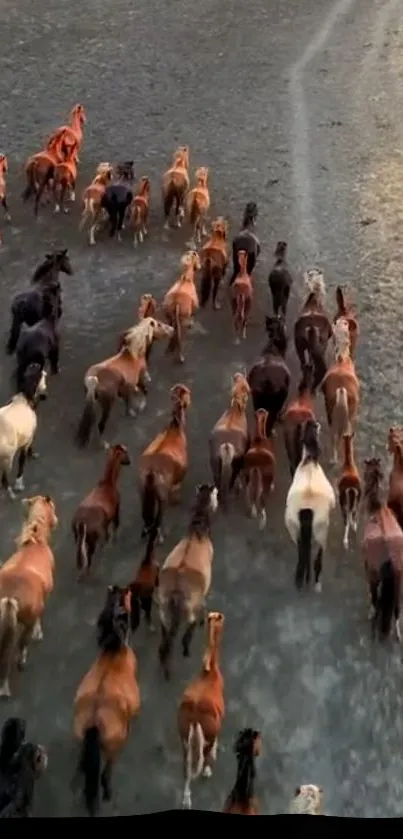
236, 408
398, 459
199, 525
75, 123
47, 272
272, 349
34, 532
243, 790
343, 357
374, 503
177, 418
188, 276
111, 473
260, 430
305, 397
211, 658
348, 448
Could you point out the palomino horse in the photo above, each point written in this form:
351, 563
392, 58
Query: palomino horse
201, 712
300, 409
345, 311
17, 782
269, 378
18, 423
280, 280
139, 211
241, 296
175, 184
395, 494
64, 180
181, 302
214, 261
383, 555
107, 699
229, 439
147, 309
341, 389
241, 800
99, 510
185, 578
3, 188
246, 240
39, 170
163, 464
26, 581
70, 135
198, 203
92, 199
258, 470
312, 316
120, 376
310, 501
307, 801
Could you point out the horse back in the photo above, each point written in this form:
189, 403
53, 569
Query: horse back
260, 456
203, 702
169, 467
317, 320
270, 374
190, 557
28, 576
18, 424
125, 365
237, 437
176, 179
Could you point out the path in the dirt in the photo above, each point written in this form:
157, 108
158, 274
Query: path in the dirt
294, 105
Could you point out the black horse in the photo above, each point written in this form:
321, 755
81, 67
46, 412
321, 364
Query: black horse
27, 306
39, 343
280, 280
118, 197
21, 763
269, 378
247, 241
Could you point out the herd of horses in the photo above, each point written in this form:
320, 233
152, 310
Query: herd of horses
243, 463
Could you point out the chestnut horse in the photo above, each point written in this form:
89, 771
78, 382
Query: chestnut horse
3, 189
300, 409
139, 211
181, 303
395, 494
198, 203
269, 377
241, 296
120, 376
229, 439
175, 184
349, 489
345, 311
99, 510
147, 309
39, 170
383, 555
258, 470
64, 180
201, 712
341, 389
92, 199
313, 315
107, 700
241, 800
214, 261
70, 135
164, 463
145, 584
26, 581
185, 578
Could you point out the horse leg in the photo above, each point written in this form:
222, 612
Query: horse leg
209, 758
116, 522
54, 353
146, 604
164, 651
5, 480
216, 286
188, 636
142, 386
22, 459
6, 210
37, 632
106, 781
317, 569
31, 454
23, 644
106, 407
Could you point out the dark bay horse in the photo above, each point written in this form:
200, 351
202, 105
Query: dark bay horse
280, 280
246, 240
269, 378
118, 197
39, 343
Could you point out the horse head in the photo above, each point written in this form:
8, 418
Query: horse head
207, 497
201, 176
34, 385
219, 228
12, 737
215, 626
41, 507
181, 157
144, 186
276, 330
373, 477
240, 390
250, 214
180, 394
310, 440
280, 251
78, 113
3, 163
395, 440
315, 286
191, 260
118, 454
247, 744
307, 800
147, 306
61, 261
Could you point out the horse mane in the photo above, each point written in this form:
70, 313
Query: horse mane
373, 479
136, 340
242, 791
113, 623
43, 268
199, 525
315, 285
250, 215
306, 801
310, 443
33, 532
341, 334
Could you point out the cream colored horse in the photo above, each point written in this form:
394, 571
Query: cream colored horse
26, 580
18, 423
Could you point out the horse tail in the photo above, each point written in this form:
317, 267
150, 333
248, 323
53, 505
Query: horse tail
240, 307
340, 300
14, 334
176, 339
194, 211
8, 639
89, 415
82, 551
255, 489
194, 752
31, 187
90, 767
388, 596
88, 211
206, 280
169, 197
304, 547
226, 455
150, 504
340, 417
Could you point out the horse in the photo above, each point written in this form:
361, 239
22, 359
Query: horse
246, 240
310, 500
214, 262
17, 784
147, 309
349, 489
312, 316
107, 699
269, 378
198, 203
64, 180
26, 581
145, 584
241, 800
201, 712
3, 189
18, 423
300, 409
92, 197
118, 197
181, 303
258, 470
99, 510
395, 494
345, 311
185, 578
120, 376
140, 210
12, 738
39, 170
27, 306
229, 439
280, 280
383, 555
164, 463
39, 343
241, 296
307, 801
72, 134
175, 184
341, 389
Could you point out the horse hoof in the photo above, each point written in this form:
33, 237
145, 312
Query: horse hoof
5, 689
151, 628
186, 652
8, 217
132, 413
262, 522
318, 587
22, 660
345, 544
12, 496
142, 405
187, 802
181, 359
217, 307
34, 455
207, 772
237, 341
19, 485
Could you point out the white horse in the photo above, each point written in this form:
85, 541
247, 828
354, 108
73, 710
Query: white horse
310, 500
18, 423
307, 801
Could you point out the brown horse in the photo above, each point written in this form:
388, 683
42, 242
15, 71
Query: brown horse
341, 389
241, 800
3, 189
64, 180
39, 171
99, 510
175, 184
269, 378
345, 311
139, 211
300, 409
241, 296
145, 584
92, 198
395, 494
164, 463
71, 135
214, 262
185, 578
383, 555
258, 470
107, 700
229, 439
181, 303
198, 203
349, 488
201, 712
26, 581
121, 376
313, 316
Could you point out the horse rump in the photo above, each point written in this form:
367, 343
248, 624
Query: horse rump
303, 570
90, 768
388, 597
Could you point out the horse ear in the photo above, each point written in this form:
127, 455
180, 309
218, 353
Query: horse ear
26, 502
64, 251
